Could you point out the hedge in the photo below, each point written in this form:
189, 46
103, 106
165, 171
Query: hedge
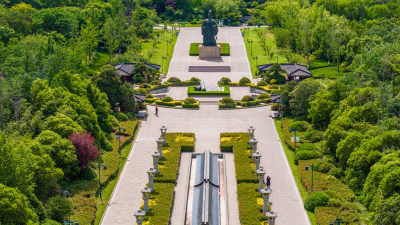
160, 204
250, 204
191, 91
224, 51
191, 106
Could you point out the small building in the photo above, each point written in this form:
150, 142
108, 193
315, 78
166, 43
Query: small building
126, 69
293, 70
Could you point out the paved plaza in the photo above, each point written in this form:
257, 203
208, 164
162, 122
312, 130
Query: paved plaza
207, 123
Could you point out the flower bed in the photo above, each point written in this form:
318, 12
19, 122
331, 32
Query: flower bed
224, 51
191, 91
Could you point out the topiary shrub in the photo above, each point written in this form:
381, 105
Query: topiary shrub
302, 155
149, 96
325, 167
189, 101
167, 99
144, 85
299, 125
121, 117
225, 81
140, 91
155, 82
272, 81
173, 80
273, 86
195, 79
262, 83
248, 98
316, 199
263, 96
307, 147
314, 135
243, 81
228, 100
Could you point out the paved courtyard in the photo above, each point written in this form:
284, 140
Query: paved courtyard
207, 123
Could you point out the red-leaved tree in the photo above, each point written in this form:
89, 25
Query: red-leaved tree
86, 150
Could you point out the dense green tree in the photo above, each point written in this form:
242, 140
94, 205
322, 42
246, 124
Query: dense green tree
59, 208
320, 110
299, 97
388, 212
109, 82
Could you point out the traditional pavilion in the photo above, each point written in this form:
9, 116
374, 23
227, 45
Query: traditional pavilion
126, 69
293, 70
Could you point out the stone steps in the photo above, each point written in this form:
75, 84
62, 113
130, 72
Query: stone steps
216, 69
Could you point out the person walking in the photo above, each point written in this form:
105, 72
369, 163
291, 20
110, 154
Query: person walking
156, 111
268, 182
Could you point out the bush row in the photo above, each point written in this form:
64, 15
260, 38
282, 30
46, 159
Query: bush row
191, 91
194, 49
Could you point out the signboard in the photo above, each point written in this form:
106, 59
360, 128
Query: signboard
120, 138
297, 139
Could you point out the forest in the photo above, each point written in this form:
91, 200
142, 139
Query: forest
58, 90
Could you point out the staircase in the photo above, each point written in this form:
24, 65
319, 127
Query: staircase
217, 69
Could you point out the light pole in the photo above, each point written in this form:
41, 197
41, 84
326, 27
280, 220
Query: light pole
162, 63
338, 222
312, 175
251, 42
69, 222
256, 57
167, 45
104, 168
119, 135
277, 58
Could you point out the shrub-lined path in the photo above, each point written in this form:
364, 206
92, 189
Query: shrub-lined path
207, 124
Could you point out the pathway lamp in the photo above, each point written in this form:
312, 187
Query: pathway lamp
139, 216
255, 58
338, 222
295, 136
312, 175
162, 63
253, 144
251, 130
160, 142
167, 45
156, 157
151, 172
251, 42
257, 159
261, 173
163, 130
271, 216
277, 61
104, 168
146, 196
265, 192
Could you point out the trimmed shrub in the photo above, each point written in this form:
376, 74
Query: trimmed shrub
121, 117
140, 91
248, 98
262, 83
325, 167
333, 202
58, 208
225, 81
228, 100
243, 81
155, 82
299, 125
307, 147
190, 101
314, 135
167, 99
302, 155
195, 80
149, 96
263, 96
144, 85
272, 81
316, 199
173, 80
336, 172
273, 86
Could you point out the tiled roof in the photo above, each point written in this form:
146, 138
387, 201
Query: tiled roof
292, 69
126, 69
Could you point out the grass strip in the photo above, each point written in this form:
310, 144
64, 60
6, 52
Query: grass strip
195, 51
226, 91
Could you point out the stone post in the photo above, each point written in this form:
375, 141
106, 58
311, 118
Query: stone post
253, 144
251, 130
271, 216
139, 216
265, 192
151, 172
160, 142
156, 157
163, 132
146, 195
257, 159
261, 173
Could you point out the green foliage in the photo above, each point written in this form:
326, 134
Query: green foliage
316, 199
62, 125
190, 103
144, 85
108, 81
15, 207
263, 96
388, 211
191, 91
301, 126
275, 74
250, 212
299, 97
314, 135
173, 80
224, 81
244, 80
167, 99
302, 155
224, 49
121, 117
262, 83
59, 208
227, 102
247, 98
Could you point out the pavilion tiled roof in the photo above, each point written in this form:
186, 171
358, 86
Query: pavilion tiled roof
126, 69
292, 69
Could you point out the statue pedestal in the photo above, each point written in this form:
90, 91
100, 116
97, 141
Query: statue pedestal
209, 52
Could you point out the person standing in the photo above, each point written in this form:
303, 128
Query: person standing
156, 111
268, 182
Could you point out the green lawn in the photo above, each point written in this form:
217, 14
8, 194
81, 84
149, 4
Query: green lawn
160, 50
99, 59
327, 72
295, 171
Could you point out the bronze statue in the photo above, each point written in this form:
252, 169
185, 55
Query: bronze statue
209, 30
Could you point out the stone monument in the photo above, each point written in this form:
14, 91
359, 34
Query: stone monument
209, 49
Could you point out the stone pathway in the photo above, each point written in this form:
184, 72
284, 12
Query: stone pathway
207, 124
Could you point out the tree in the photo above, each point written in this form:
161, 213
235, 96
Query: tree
300, 96
109, 82
86, 150
59, 208
110, 36
388, 212
320, 110
62, 125
89, 38
14, 207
